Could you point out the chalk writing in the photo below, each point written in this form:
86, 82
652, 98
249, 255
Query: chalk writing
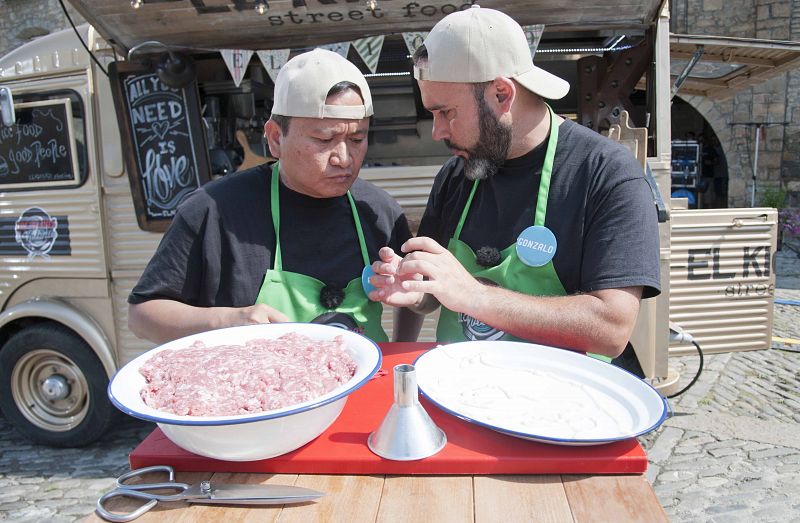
38, 147
162, 141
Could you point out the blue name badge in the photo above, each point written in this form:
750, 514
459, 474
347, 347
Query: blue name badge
365, 276
536, 246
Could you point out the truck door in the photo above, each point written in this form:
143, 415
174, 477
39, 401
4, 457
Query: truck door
53, 270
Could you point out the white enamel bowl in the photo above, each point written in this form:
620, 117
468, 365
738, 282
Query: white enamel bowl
251, 436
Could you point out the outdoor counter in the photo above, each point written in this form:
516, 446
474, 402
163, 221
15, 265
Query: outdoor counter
440, 499
480, 476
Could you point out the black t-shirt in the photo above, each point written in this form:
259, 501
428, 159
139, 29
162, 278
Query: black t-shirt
222, 241
600, 209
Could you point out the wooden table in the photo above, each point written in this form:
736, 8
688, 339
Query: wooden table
424, 498
440, 499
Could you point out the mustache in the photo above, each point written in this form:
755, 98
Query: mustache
452, 145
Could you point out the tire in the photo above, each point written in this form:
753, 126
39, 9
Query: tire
53, 387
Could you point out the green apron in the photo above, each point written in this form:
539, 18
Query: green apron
298, 296
510, 273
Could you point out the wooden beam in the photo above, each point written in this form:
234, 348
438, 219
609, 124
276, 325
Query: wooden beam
218, 24
715, 56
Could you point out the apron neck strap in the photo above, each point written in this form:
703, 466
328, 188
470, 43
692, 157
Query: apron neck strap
547, 170
275, 208
359, 231
276, 220
466, 210
544, 183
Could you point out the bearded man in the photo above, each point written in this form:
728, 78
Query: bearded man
537, 229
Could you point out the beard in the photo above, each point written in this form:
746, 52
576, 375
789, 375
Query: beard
494, 141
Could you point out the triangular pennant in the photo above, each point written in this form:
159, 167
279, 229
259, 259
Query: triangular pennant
369, 49
273, 60
237, 60
414, 39
533, 33
342, 48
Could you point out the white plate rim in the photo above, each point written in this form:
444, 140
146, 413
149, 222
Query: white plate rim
335, 394
584, 359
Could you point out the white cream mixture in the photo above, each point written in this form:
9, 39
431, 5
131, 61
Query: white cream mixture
539, 402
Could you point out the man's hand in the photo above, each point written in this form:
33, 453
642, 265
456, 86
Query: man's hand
390, 284
436, 271
254, 314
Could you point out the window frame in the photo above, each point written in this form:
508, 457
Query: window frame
69, 98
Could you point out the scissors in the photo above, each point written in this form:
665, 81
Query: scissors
203, 492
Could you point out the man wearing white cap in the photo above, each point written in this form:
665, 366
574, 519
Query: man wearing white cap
537, 229
286, 242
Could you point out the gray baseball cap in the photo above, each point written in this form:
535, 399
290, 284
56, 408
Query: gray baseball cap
478, 45
304, 81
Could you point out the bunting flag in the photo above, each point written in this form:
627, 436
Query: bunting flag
237, 60
342, 48
369, 49
533, 33
414, 39
273, 60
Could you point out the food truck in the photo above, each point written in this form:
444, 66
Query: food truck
107, 127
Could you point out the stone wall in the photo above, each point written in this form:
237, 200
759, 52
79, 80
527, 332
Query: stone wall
23, 20
790, 165
774, 103
714, 17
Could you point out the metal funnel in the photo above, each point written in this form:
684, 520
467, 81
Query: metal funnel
407, 432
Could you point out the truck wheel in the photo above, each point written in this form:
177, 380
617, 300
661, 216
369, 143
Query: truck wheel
53, 387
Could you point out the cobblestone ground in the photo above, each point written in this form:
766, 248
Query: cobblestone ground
39, 483
730, 453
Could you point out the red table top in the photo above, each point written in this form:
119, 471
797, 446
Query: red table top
470, 449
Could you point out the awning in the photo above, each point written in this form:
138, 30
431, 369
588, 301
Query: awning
726, 64
235, 24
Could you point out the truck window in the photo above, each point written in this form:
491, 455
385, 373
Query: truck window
46, 146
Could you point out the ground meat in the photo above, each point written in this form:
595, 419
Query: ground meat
258, 376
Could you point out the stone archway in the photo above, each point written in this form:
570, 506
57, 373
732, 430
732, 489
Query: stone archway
715, 125
734, 121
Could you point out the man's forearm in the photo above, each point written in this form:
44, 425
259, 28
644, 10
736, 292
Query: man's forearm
161, 321
599, 322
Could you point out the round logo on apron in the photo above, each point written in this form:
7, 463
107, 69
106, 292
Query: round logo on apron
476, 330
536, 246
365, 276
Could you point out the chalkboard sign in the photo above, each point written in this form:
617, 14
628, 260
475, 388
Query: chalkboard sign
38, 148
165, 149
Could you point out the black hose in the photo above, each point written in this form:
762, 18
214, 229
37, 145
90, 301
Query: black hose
696, 376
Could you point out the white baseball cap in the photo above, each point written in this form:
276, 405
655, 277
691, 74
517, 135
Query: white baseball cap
304, 81
478, 45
